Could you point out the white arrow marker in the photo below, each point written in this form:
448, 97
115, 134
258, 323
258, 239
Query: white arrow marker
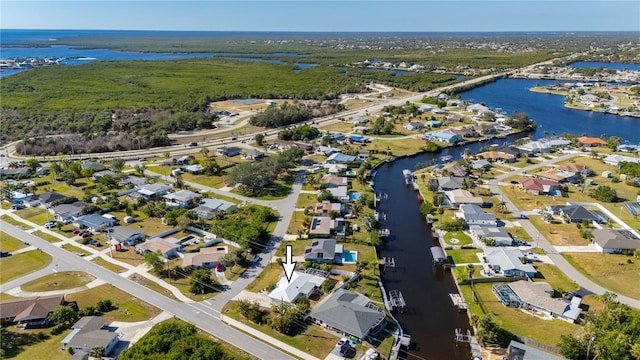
289, 264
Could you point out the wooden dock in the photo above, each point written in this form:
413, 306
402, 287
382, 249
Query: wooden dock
397, 300
459, 302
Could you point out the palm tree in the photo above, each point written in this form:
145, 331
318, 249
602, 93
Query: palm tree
470, 271
204, 151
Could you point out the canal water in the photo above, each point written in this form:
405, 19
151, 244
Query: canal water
430, 317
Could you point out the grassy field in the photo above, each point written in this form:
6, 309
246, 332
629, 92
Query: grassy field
463, 256
48, 237
58, 280
613, 272
313, 340
515, 321
462, 238
36, 215
129, 255
9, 243
152, 285
129, 309
76, 250
15, 266
305, 200
12, 221
47, 349
269, 275
557, 279
108, 265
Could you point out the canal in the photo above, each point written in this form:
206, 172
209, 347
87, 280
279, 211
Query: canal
430, 317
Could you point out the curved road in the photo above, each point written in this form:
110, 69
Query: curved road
549, 249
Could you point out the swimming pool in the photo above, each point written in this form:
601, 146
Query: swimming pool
349, 257
354, 196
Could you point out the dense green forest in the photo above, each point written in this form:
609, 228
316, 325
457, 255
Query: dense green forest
176, 341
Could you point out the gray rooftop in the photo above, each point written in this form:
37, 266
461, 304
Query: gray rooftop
321, 249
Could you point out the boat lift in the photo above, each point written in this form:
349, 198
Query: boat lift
397, 300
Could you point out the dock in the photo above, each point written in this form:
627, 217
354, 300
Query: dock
459, 302
384, 233
476, 349
397, 300
439, 257
408, 176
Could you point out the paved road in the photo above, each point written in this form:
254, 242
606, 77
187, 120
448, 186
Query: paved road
202, 315
543, 243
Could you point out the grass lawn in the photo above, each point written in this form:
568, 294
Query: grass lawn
152, 285
9, 243
305, 200
463, 256
76, 250
406, 146
297, 221
463, 239
370, 289
4, 297
517, 232
59, 280
47, 349
216, 182
109, 266
12, 221
269, 275
313, 340
559, 234
515, 321
130, 308
48, 237
610, 271
183, 284
36, 215
129, 255
15, 266
5, 205
557, 279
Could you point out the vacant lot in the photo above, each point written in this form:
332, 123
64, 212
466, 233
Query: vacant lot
130, 308
59, 280
108, 265
460, 238
463, 256
9, 243
613, 272
15, 266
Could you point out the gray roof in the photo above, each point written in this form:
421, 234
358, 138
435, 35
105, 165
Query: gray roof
349, 312
122, 233
95, 221
448, 182
182, 195
152, 189
69, 210
615, 239
497, 233
479, 164
520, 351
49, 197
88, 333
321, 249
508, 259
578, 212
474, 214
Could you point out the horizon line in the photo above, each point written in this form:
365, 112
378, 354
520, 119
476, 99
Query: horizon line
338, 31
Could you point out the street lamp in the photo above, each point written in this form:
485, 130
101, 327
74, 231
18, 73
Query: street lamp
593, 337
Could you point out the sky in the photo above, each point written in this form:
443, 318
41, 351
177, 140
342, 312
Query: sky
326, 16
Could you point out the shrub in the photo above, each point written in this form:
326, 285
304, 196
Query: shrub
105, 305
57, 330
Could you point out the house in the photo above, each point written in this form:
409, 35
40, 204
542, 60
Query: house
628, 148
455, 170
320, 227
95, 222
324, 251
358, 139
349, 313
433, 123
363, 155
337, 158
413, 126
15, 172
540, 186
339, 193
480, 164
228, 151
499, 234
332, 181
90, 332
252, 154
95, 166
438, 111
49, 197
209, 207
180, 198
301, 285
578, 214
360, 120
425, 108
477, 108
561, 176
286, 144
445, 136
457, 197
543, 145
185, 160
591, 141
66, 213
465, 132
616, 159
29, 312
207, 257
168, 249
154, 190
194, 169
103, 173
326, 207
133, 180
327, 150
497, 155
474, 215
612, 241
577, 168
485, 129
520, 351
335, 168
536, 297
506, 261
446, 183
126, 235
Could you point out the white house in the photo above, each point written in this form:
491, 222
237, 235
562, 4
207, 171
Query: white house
301, 285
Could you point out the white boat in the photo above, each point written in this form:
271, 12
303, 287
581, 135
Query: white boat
446, 158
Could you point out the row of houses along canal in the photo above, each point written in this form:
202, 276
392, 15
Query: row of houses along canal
429, 315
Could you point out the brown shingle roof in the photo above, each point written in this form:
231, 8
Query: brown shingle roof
31, 308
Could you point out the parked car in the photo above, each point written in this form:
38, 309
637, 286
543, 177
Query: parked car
219, 267
142, 159
487, 204
4, 254
75, 231
234, 138
95, 243
193, 144
85, 234
50, 224
18, 206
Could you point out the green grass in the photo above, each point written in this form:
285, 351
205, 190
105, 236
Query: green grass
305, 200
557, 279
463, 239
12, 221
48, 349
152, 285
313, 340
108, 265
57, 281
76, 250
269, 275
9, 243
37, 215
48, 237
129, 309
464, 256
206, 180
610, 271
15, 266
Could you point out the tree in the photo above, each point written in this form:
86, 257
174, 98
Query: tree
117, 164
141, 168
604, 193
154, 260
204, 151
64, 316
259, 138
97, 352
487, 329
201, 282
32, 163
470, 271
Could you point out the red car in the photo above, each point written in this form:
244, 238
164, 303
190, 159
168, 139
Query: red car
219, 267
75, 231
